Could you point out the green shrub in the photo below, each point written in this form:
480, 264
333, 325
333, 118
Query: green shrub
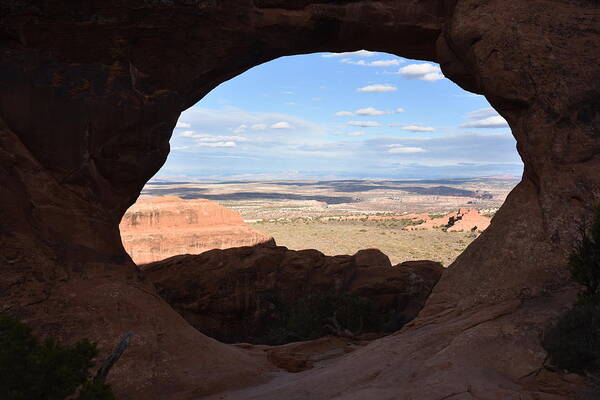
573, 343
316, 316
95, 390
46, 370
584, 262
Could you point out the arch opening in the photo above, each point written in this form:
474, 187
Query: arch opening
336, 152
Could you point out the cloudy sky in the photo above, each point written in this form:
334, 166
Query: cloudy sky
347, 115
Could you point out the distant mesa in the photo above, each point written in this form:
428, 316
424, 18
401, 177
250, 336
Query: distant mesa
161, 227
466, 219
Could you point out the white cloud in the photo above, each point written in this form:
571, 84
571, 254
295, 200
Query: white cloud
313, 148
482, 113
214, 134
259, 127
344, 114
400, 110
217, 144
424, 72
414, 128
378, 88
376, 63
400, 149
417, 128
228, 119
489, 122
358, 133
359, 53
448, 149
386, 63
240, 129
369, 111
208, 138
364, 124
204, 137
182, 125
486, 118
281, 125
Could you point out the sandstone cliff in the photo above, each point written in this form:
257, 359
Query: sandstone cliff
236, 295
162, 227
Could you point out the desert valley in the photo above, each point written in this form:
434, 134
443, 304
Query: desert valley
334, 217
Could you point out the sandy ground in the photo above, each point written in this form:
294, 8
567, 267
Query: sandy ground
347, 237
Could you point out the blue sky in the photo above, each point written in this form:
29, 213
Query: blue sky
347, 115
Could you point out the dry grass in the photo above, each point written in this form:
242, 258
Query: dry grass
347, 237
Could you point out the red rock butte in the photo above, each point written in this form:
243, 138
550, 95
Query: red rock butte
90, 95
160, 227
465, 219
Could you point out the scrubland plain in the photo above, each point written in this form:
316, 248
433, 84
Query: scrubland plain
331, 216
333, 237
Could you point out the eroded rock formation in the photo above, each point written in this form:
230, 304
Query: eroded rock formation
161, 227
89, 96
465, 219
234, 295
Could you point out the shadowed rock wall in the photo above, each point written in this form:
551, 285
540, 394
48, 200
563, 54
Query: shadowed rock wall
90, 92
243, 294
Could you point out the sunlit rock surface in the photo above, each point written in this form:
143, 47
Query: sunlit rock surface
465, 219
161, 227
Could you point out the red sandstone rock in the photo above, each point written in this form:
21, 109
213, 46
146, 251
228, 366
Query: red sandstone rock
300, 356
161, 227
432, 223
469, 220
89, 96
231, 294
466, 219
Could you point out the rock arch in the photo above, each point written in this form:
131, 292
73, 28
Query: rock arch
90, 93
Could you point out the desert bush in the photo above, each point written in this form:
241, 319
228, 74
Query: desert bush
584, 262
95, 390
573, 344
316, 316
433, 216
46, 370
